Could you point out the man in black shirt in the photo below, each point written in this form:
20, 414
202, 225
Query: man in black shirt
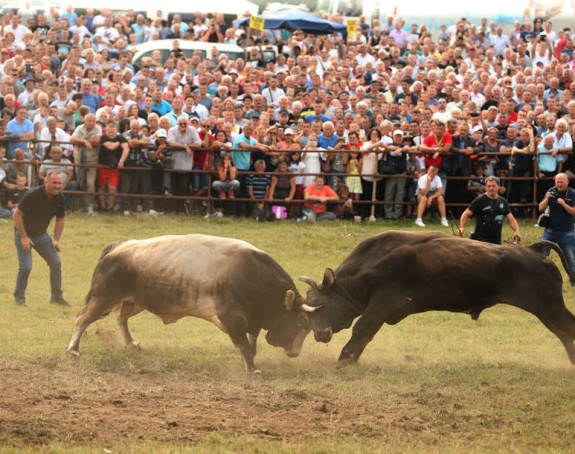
489, 210
31, 220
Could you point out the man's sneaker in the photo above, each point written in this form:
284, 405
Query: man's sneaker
60, 302
311, 217
167, 192
231, 195
219, 214
188, 208
419, 222
90, 209
139, 208
155, 213
127, 212
444, 222
222, 195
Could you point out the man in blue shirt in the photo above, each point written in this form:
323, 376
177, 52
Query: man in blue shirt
160, 106
23, 128
560, 200
245, 142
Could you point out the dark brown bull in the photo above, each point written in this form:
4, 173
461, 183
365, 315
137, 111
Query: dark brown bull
395, 274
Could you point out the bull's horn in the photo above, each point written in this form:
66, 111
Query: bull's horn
309, 281
307, 308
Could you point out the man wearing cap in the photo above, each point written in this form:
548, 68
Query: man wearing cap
26, 98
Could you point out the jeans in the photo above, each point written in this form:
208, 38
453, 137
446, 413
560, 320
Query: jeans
566, 241
45, 247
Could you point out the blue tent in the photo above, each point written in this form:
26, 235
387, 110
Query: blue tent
298, 20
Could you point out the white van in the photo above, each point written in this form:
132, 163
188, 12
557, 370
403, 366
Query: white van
189, 47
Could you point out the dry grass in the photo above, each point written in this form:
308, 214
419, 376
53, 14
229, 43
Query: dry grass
437, 382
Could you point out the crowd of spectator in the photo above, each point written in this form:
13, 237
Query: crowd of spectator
328, 112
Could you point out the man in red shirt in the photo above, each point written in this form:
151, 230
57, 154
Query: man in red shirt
436, 145
316, 197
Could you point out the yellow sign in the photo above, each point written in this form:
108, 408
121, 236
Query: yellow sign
257, 23
351, 25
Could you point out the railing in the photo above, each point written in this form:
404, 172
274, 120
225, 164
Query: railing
210, 198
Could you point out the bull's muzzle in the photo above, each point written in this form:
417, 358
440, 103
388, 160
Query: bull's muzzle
324, 335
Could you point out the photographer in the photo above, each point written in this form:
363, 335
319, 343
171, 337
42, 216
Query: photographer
560, 204
489, 210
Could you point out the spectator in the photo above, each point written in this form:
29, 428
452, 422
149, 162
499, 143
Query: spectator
316, 197
430, 194
258, 186
113, 153
23, 128
559, 203
86, 139
183, 139
282, 186
136, 181
57, 163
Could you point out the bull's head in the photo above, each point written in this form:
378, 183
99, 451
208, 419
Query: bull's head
326, 309
291, 326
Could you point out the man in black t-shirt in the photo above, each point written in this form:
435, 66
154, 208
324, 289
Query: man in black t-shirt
31, 220
114, 151
489, 210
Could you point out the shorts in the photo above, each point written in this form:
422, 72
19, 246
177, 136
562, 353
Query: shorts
108, 176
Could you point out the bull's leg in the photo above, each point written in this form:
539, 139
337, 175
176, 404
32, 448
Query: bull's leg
563, 327
253, 340
246, 350
95, 309
365, 329
123, 313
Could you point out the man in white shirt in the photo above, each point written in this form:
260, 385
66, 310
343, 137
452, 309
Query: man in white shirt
430, 193
272, 94
106, 36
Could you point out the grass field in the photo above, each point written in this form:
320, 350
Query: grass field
436, 382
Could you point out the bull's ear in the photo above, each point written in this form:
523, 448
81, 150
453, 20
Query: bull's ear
290, 298
328, 278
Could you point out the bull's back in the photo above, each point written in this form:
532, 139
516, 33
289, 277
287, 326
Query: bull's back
170, 270
438, 267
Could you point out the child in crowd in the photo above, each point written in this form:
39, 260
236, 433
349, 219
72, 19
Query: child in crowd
354, 165
345, 206
297, 166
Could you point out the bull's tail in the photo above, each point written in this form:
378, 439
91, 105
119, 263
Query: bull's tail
543, 246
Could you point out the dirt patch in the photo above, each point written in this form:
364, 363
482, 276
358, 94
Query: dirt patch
49, 402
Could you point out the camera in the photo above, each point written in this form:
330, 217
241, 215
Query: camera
29, 69
554, 194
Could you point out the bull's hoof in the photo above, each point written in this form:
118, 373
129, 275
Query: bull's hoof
134, 346
72, 354
346, 362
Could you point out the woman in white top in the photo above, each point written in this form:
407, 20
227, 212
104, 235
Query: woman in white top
373, 152
310, 158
